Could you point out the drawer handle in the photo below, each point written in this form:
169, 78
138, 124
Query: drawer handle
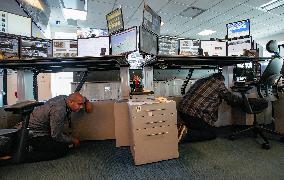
154, 122
156, 134
150, 110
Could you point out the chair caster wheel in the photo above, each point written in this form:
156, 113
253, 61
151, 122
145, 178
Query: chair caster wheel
232, 137
266, 146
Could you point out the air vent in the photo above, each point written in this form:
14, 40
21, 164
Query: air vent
272, 5
191, 12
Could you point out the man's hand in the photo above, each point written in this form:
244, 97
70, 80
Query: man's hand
76, 142
88, 107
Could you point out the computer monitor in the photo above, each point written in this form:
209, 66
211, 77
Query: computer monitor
9, 45
239, 28
64, 47
148, 42
35, 47
97, 46
115, 21
124, 42
151, 20
168, 45
189, 47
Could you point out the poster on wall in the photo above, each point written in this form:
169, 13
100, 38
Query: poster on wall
214, 48
98, 46
3, 21
115, 21
64, 48
236, 47
15, 24
188, 47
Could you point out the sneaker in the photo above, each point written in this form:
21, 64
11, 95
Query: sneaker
182, 131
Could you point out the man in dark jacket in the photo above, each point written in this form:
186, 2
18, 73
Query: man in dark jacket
199, 108
48, 139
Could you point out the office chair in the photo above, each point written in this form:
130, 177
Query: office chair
267, 81
24, 109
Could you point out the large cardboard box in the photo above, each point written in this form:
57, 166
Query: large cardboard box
97, 125
122, 126
153, 133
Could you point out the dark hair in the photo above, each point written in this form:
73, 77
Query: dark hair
218, 76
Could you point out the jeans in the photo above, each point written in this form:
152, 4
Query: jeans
198, 129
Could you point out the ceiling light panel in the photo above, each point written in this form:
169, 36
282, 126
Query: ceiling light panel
172, 9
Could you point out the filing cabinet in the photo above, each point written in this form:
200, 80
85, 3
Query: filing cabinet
153, 131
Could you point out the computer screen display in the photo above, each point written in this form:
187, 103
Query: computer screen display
151, 20
115, 21
148, 41
64, 47
9, 45
188, 47
33, 47
168, 45
236, 47
97, 46
214, 48
237, 29
124, 42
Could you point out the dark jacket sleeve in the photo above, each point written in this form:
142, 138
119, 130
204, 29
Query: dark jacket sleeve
229, 97
57, 117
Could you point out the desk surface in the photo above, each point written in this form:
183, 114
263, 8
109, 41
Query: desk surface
66, 64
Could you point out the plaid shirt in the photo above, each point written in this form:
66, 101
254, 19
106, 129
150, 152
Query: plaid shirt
204, 97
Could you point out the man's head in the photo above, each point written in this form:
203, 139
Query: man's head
219, 76
75, 101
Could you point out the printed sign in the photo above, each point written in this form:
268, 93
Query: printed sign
115, 21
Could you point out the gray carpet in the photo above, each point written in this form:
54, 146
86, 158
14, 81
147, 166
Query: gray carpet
216, 159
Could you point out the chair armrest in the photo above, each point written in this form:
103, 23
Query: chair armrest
23, 107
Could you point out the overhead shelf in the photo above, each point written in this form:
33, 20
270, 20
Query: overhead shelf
181, 61
100, 63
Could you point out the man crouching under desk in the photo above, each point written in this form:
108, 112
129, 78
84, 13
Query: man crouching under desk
199, 108
48, 139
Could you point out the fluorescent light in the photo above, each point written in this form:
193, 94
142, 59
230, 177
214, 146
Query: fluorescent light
35, 3
206, 32
272, 5
74, 14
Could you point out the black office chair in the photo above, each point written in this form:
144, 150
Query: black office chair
267, 82
24, 109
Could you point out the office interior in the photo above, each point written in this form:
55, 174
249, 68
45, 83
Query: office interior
134, 60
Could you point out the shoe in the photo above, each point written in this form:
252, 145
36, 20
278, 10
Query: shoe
182, 131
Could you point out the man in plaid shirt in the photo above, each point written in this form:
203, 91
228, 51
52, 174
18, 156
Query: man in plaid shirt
199, 108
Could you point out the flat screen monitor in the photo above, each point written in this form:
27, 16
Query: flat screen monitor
64, 47
115, 21
168, 45
97, 46
188, 47
148, 41
34, 47
214, 48
124, 42
237, 29
236, 47
151, 20
9, 45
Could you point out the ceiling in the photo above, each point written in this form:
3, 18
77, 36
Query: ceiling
217, 14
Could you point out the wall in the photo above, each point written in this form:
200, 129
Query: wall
12, 7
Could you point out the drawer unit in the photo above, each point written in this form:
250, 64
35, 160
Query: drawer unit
154, 135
